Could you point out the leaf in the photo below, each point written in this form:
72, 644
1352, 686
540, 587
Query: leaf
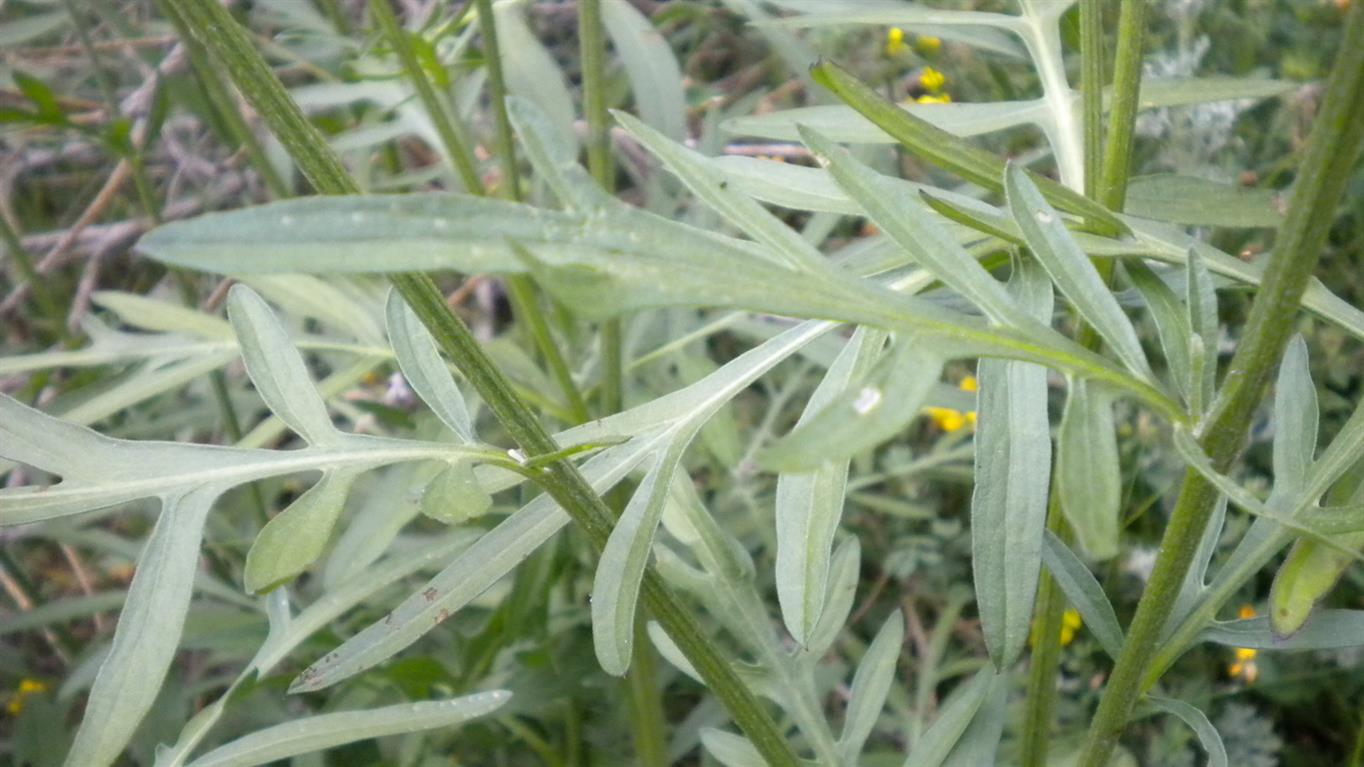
468, 575
1198, 722
987, 31
454, 495
615, 586
1083, 591
862, 417
912, 227
1088, 474
531, 71
276, 368
1180, 91
649, 63
1072, 270
1201, 300
1012, 482
297, 536
17, 32
846, 126
870, 686
810, 504
315, 733
946, 150
554, 158
844, 571
601, 265
1172, 323
1195, 579
731, 750
955, 716
424, 368
1295, 420
711, 186
979, 744
1199, 202
160, 316
1306, 576
1325, 630
148, 631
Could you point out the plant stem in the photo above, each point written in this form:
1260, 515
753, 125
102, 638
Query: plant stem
592, 48
214, 27
1325, 170
1122, 112
1091, 90
452, 136
224, 105
650, 740
1046, 653
497, 88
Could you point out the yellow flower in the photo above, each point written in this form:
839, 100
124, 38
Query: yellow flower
946, 418
1244, 666
968, 383
931, 99
27, 687
895, 41
927, 45
932, 80
1070, 623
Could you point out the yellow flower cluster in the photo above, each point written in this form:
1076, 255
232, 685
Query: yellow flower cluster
1244, 666
924, 45
950, 420
933, 81
27, 687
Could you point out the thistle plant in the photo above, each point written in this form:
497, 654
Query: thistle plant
562, 455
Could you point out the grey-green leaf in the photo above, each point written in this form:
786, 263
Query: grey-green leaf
1295, 420
649, 63
1201, 302
844, 569
615, 586
731, 750
424, 369
297, 536
338, 728
953, 719
870, 685
1071, 269
865, 415
277, 369
1083, 591
1012, 480
148, 632
810, 504
1172, 324
1198, 722
1088, 473
454, 495
1325, 630
979, 744
1196, 201
913, 228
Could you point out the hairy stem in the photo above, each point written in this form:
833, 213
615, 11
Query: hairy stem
1122, 113
1325, 170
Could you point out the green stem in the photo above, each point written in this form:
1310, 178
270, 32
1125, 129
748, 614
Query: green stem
1122, 113
451, 132
214, 27
1325, 170
497, 88
592, 47
1091, 90
1046, 654
224, 105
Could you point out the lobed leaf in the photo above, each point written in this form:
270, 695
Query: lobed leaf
424, 369
1083, 591
294, 539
